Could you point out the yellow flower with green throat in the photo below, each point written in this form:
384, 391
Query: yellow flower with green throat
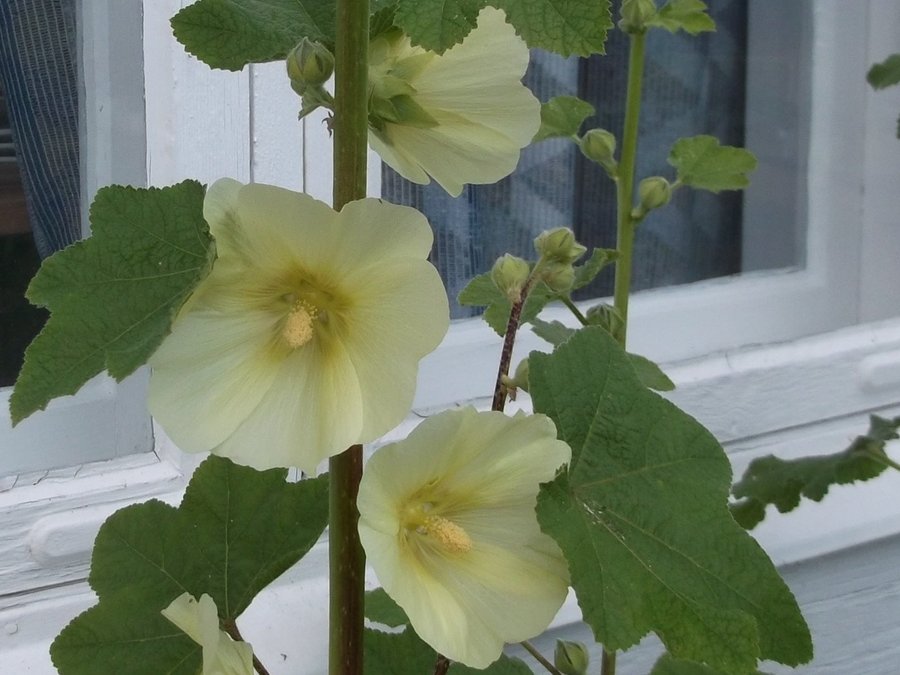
306, 336
447, 519
458, 117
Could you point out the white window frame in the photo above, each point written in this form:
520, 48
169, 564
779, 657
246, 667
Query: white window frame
105, 420
787, 362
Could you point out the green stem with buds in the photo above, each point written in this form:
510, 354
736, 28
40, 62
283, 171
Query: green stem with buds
625, 224
345, 553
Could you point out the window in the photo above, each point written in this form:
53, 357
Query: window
72, 93
781, 86
737, 345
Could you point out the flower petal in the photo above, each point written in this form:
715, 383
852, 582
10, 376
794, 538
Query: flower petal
281, 225
480, 471
184, 612
210, 374
484, 114
200, 621
313, 410
401, 314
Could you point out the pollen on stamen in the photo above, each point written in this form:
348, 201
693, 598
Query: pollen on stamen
451, 537
298, 329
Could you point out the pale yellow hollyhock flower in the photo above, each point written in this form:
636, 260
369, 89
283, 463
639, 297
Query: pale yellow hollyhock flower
200, 620
448, 523
460, 117
306, 336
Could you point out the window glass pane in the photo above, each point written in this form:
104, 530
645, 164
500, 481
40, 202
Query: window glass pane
738, 84
39, 153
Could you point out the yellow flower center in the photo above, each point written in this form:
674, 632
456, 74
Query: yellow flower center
298, 329
444, 532
450, 536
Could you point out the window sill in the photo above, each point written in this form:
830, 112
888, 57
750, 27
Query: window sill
806, 396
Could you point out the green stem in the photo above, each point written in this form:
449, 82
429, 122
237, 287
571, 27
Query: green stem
509, 341
442, 665
567, 301
531, 649
883, 459
346, 557
625, 225
608, 663
351, 81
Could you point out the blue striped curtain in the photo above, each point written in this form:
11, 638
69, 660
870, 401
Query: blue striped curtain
39, 76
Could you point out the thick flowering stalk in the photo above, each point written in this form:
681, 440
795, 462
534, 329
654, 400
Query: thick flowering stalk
200, 620
448, 523
458, 117
306, 337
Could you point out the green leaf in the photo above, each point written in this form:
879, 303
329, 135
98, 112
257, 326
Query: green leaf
687, 15
406, 654
236, 530
562, 116
554, 332
502, 666
669, 665
229, 34
563, 26
438, 24
382, 19
886, 73
650, 374
483, 292
107, 638
396, 653
770, 480
642, 518
113, 297
600, 258
381, 608
704, 164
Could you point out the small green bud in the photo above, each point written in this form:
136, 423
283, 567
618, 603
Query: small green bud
636, 14
309, 64
510, 274
559, 277
653, 192
558, 245
599, 146
607, 317
571, 658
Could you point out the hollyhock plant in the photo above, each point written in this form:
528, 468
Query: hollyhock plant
448, 523
458, 117
200, 620
306, 336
